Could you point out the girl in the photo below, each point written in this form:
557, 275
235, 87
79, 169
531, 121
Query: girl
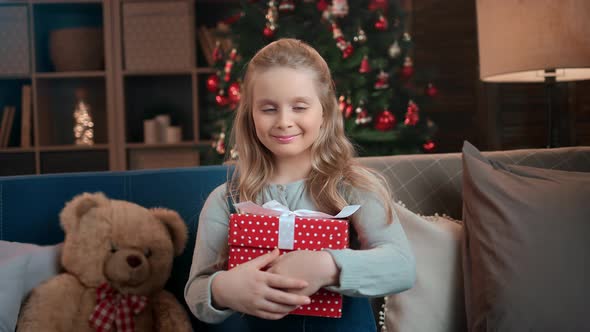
292, 148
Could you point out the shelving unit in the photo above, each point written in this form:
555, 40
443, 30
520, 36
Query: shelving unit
53, 94
121, 96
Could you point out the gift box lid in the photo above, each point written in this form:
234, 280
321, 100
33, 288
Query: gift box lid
262, 231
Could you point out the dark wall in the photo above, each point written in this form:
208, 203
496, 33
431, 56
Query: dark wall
492, 116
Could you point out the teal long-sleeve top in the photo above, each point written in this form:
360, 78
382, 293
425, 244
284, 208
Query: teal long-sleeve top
381, 264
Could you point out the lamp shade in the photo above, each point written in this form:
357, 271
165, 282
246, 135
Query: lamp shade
520, 39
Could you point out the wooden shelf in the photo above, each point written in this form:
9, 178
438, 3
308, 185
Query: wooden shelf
64, 1
73, 147
218, 1
199, 70
70, 74
120, 99
205, 70
13, 2
14, 76
164, 145
158, 72
16, 150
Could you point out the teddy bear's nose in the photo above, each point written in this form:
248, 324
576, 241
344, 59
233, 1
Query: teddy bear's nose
133, 261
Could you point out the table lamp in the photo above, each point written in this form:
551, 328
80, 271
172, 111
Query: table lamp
544, 41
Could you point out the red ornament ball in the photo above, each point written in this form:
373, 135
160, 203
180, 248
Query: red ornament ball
213, 83
385, 121
431, 90
381, 24
341, 104
412, 118
322, 5
348, 51
268, 32
429, 146
234, 92
348, 111
221, 100
407, 72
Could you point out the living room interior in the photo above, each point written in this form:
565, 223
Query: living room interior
134, 98
120, 84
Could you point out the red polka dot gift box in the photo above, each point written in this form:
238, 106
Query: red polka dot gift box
258, 230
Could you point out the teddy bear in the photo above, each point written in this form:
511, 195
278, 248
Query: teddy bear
116, 258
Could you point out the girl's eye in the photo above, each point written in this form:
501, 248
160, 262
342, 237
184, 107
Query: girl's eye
300, 108
268, 110
147, 253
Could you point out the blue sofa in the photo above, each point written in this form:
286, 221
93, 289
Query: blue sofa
30, 205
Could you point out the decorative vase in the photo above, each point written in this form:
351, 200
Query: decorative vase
76, 49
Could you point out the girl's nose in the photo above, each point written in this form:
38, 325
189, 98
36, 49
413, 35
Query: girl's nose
284, 119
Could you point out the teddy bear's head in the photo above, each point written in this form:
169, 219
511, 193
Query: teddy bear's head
119, 242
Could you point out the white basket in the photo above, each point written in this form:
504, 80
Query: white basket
158, 35
14, 41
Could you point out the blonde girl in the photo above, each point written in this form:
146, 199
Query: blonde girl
290, 139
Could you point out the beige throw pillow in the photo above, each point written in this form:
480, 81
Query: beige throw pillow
436, 301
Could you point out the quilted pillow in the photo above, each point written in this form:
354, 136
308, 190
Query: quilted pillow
436, 302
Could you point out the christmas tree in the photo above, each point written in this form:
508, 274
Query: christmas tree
367, 48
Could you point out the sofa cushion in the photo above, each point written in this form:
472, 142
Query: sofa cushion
436, 302
11, 290
526, 246
22, 267
429, 183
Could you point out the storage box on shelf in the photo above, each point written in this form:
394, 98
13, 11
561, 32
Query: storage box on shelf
158, 35
14, 53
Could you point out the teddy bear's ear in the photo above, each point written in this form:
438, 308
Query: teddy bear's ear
79, 206
175, 226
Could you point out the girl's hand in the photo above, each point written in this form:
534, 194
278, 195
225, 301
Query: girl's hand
249, 290
316, 267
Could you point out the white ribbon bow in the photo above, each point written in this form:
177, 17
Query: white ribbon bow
287, 217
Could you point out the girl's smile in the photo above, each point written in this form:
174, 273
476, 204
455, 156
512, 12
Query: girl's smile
285, 139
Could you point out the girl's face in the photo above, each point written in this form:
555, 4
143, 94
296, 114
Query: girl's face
287, 112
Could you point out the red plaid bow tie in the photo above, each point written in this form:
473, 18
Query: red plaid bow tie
113, 306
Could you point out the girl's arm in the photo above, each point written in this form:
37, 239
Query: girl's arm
383, 265
211, 236
318, 268
206, 276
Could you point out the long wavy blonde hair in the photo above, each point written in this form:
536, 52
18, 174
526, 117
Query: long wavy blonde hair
333, 165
